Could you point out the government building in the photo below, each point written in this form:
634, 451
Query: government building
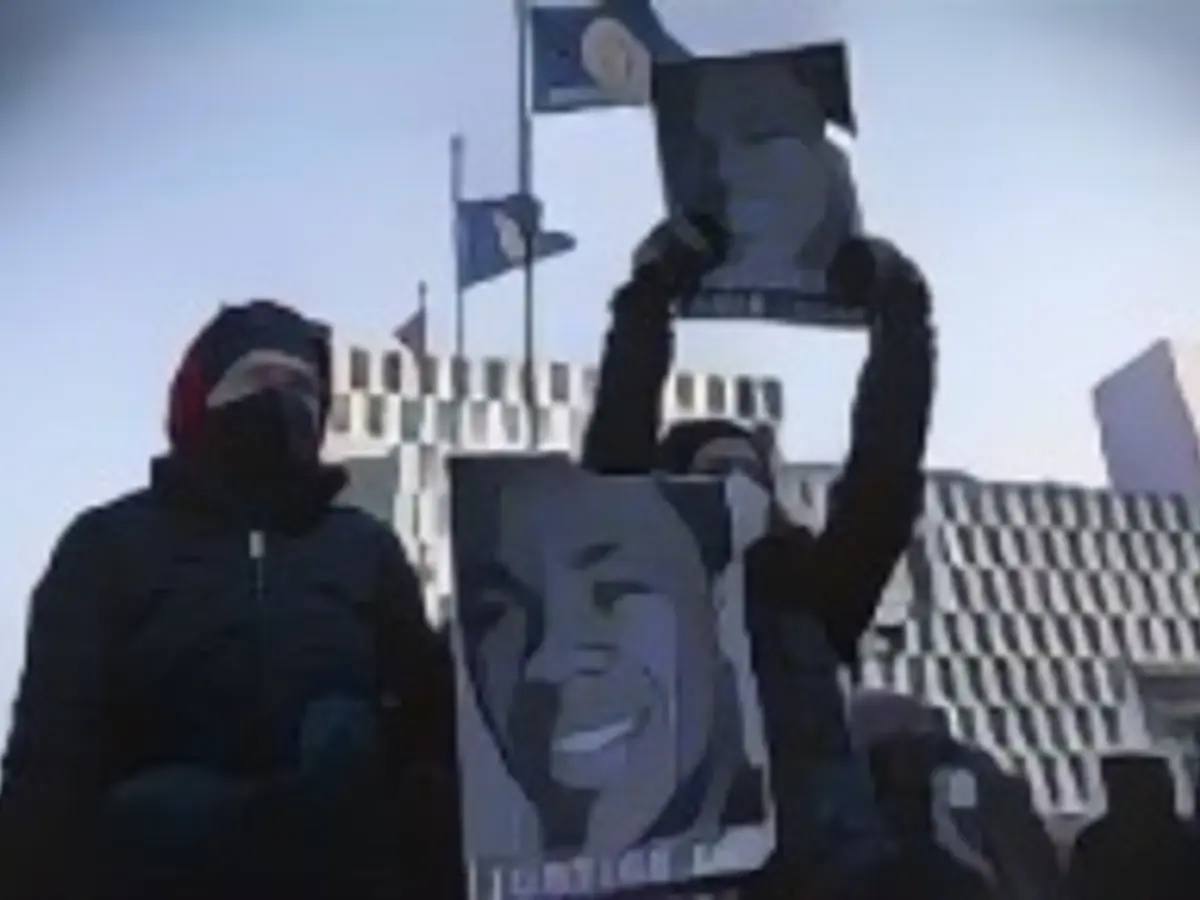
395, 418
1052, 623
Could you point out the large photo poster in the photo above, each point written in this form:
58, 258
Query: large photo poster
609, 731
747, 140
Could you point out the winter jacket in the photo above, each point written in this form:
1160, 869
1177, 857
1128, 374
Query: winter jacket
878, 497
809, 597
179, 625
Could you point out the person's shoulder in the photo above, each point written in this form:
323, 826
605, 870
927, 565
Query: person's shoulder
119, 514
353, 520
363, 530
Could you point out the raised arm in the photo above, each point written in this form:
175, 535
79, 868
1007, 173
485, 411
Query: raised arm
58, 757
622, 433
877, 500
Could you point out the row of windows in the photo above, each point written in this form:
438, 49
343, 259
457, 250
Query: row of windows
1034, 637
452, 423
1079, 595
751, 398
1056, 780
1021, 727
1048, 505
496, 375
1003, 680
989, 545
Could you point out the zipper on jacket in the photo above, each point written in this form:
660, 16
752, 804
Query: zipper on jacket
258, 555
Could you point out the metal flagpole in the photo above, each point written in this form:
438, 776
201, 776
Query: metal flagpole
525, 187
422, 309
457, 150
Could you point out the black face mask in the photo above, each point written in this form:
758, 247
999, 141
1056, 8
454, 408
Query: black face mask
271, 433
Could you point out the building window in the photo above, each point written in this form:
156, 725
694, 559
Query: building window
460, 377
578, 424
747, 407
685, 392
494, 376
427, 462
717, 399
772, 399
479, 421
412, 420
360, 369
545, 427
590, 379
391, 372
375, 425
447, 422
339, 414
429, 375
560, 383
510, 421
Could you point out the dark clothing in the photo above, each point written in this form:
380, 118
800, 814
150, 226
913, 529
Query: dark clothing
809, 597
1143, 858
1006, 830
877, 499
190, 625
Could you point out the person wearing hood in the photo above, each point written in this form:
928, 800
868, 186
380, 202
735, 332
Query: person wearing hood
810, 597
224, 666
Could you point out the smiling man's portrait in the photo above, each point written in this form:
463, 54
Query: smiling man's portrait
589, 633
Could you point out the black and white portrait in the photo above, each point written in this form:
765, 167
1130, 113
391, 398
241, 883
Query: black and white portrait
610, 736
748, 139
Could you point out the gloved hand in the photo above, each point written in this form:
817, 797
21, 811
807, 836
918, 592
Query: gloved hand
677, 253
873, 273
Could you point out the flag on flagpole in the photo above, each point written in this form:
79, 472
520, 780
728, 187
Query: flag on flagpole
492, 237
597, 55
414, 332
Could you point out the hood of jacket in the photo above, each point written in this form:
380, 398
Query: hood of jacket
229, 337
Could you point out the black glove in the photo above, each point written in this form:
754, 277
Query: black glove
676, 255
874, 274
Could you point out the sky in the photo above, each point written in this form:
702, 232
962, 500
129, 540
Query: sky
1037, 157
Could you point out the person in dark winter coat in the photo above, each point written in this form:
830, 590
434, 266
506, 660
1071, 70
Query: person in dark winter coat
1140, 847
927, 868
982, 817
809, 596
230, 688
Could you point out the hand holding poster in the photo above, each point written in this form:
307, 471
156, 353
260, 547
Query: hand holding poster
745, 139
609, 737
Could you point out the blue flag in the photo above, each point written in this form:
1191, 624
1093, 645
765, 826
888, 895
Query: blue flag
491, 237
600, 55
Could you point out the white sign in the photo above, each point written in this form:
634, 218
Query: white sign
604, 739
746, 139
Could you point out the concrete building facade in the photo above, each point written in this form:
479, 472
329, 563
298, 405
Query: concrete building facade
1052, 623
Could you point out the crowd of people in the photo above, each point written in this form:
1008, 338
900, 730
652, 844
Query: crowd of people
231, 690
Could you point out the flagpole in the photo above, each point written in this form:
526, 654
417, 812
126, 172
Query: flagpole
530, 223
457, 153
456, 194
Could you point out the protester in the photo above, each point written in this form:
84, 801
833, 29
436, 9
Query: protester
982, 817
901, 769
230, 688
809, 597
1140, 847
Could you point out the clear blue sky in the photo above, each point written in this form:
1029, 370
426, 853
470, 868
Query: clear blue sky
1037, 156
